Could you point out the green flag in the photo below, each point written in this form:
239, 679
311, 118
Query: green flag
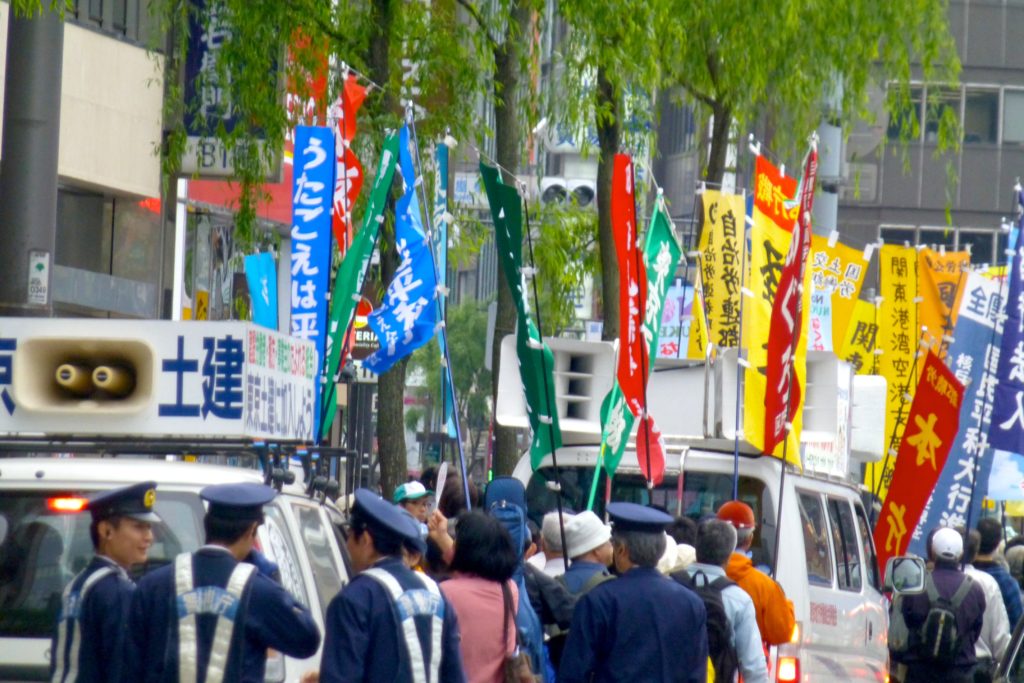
661, 254
349, 281
536, 362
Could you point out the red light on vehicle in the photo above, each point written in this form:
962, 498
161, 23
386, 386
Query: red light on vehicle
66, 504
789, 669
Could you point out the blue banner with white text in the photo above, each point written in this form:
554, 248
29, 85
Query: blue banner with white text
312, 196
261, 274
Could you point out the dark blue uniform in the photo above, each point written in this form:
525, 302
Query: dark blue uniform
269, 617
641, 627
363, 641
96, 623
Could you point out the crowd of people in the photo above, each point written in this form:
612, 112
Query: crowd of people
959, 627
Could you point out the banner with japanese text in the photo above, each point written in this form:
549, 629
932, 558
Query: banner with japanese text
676, 320
441, 218
940, 275
784, 395
837, 271
311, 242
348, 174
407, 317
1007, 429
860, 340
897, 338
536, 362
697, 343
819, 320
769, 243
974, 357
720, 247
931, 430
348, 283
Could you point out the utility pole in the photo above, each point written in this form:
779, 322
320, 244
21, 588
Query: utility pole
28, 162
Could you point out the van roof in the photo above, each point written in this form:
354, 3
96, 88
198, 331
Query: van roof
84, 471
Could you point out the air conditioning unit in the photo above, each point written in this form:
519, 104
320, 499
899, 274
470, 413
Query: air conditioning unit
553, 189
583, 190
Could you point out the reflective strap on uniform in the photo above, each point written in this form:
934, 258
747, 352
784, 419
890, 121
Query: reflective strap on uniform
222, 635
408, 624
66, 670
188, 646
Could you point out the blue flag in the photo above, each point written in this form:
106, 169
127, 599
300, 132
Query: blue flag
312, 196
441, 216
973, 356
261, 274
1007, 429
407, 318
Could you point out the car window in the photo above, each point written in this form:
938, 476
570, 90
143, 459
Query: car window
45, 548
337, 526
326, 574
868, 546
845, 546
812, 518
276, 542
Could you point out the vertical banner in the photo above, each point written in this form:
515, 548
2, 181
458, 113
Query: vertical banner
819, 332
348, 178
898, 337
676, 320
697, 342
837, 271
440, 236
784, 394
407, 317
770, 239
721, 239
1007, 429
940, 275
974, 356
311, 242
861, 338
931, 430
348, 283
261, 276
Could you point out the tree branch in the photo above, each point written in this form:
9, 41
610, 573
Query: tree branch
474, 12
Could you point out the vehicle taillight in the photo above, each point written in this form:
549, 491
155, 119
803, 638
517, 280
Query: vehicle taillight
789, 670
66, 504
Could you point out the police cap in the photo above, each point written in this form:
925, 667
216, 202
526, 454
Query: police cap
383, 517
633, 517
237, 501
135, 501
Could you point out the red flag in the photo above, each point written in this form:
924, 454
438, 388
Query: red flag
348, 174
782, 394
931, 430
650, 451
633, 359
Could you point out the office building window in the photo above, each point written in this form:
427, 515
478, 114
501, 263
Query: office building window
981, 116
982, 243
96, 11
941, 103
119, 20
1013, 116
907, 121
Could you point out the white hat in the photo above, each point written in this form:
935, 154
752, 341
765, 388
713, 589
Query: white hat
669, 560
947, 544
584, 532
550, 532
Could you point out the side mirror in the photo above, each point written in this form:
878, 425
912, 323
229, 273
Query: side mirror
904, 575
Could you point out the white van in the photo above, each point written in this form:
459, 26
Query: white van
44, 542
827, 563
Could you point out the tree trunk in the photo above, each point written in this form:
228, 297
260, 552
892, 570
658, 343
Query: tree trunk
390, 385
719, 143
508, 143
609, 132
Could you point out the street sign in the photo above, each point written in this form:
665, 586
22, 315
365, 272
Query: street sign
38, 278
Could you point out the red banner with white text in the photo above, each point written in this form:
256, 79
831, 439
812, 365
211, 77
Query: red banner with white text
633, 361
348, 174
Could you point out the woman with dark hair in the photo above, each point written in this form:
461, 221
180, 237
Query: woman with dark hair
482, 595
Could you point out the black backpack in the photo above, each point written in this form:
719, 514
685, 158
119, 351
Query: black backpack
941, 640
720, 649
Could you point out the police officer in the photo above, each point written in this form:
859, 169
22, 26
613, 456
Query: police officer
212, 614
642, 626
390, 623
95, 604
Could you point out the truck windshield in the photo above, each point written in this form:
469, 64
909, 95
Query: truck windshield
702, 494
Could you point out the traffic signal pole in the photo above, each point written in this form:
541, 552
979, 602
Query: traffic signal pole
28, 162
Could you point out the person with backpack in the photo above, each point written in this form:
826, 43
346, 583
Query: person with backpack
991, 535
642, 626
995, 625
734, 641
590, 547
932, 634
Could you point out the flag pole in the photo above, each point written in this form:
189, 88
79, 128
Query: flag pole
548, 391
441, 329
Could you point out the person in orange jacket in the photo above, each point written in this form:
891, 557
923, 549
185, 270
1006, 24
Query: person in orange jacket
773, 610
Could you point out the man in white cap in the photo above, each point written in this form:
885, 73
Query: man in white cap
551, 543
945, 586
590, 547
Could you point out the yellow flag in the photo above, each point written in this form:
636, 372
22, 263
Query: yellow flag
838, 271
721, 238
940, 276
861, 338
898, 332
698, 342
